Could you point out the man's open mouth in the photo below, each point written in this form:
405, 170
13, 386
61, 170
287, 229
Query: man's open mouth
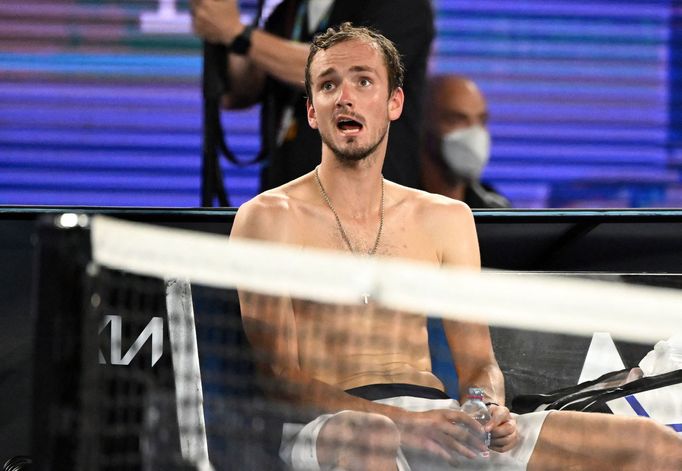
348, 126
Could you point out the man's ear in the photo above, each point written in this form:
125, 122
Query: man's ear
395, 104
312, 117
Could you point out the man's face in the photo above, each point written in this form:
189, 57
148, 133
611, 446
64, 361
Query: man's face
349, 103
457, 104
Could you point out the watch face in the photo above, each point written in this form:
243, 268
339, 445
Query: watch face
242, 42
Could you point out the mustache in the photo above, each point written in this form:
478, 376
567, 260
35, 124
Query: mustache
349, 114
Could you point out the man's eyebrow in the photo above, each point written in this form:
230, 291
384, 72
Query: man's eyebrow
329, 71
362, 68
355, 68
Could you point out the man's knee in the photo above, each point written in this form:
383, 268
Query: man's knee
578, 440
363, 429
655, 446
356, 440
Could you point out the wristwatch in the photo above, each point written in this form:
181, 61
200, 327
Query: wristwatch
242, 42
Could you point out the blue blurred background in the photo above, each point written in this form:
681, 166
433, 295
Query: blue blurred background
100, 101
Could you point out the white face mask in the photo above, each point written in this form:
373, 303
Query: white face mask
466, 151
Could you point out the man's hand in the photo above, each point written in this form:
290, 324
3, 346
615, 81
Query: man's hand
445, 433
502, 427
216, 21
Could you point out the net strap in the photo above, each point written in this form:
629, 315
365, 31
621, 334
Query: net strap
543, 303
186, 372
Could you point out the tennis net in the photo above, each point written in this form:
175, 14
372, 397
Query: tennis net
168, 378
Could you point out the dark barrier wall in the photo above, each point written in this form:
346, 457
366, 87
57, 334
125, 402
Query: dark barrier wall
629, 241
16, 336
17, 320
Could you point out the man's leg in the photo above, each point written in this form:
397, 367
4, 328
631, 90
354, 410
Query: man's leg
589, 441
353, 440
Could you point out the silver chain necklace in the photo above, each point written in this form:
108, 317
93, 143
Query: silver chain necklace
325, 196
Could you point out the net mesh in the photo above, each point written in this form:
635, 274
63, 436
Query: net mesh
175, 377
168, 378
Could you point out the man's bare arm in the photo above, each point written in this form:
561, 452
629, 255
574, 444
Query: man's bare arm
470, 342
218, 21
474, 359
271, 55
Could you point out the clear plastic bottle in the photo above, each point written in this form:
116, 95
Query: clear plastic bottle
475, 408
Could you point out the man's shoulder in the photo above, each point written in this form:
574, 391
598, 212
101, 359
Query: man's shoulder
268, 215
257, 218
427, 204
270, 203
444, 224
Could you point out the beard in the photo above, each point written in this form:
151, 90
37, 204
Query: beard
353, 153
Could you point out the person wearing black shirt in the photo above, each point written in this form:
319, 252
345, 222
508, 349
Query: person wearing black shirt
266, 66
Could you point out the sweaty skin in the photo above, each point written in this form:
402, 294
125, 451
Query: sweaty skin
350, 84
386, 346
318, 351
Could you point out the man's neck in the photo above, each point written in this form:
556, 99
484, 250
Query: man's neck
355, 190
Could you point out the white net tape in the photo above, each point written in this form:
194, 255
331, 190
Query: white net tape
544, 303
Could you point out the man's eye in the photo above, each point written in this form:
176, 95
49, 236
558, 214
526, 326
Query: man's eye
327, 86
365, 82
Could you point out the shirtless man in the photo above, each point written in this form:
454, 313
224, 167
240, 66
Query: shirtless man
353, 79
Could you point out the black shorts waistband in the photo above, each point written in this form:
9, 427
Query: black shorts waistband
375, 392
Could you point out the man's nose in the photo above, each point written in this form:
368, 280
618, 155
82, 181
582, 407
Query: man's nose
345, 97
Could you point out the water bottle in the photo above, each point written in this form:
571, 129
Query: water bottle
475, 408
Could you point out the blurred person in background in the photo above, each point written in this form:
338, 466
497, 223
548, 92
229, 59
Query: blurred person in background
266, 66
456, 144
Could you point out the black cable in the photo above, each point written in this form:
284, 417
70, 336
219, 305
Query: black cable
215, 85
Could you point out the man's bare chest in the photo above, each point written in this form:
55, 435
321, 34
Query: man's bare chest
397, 237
